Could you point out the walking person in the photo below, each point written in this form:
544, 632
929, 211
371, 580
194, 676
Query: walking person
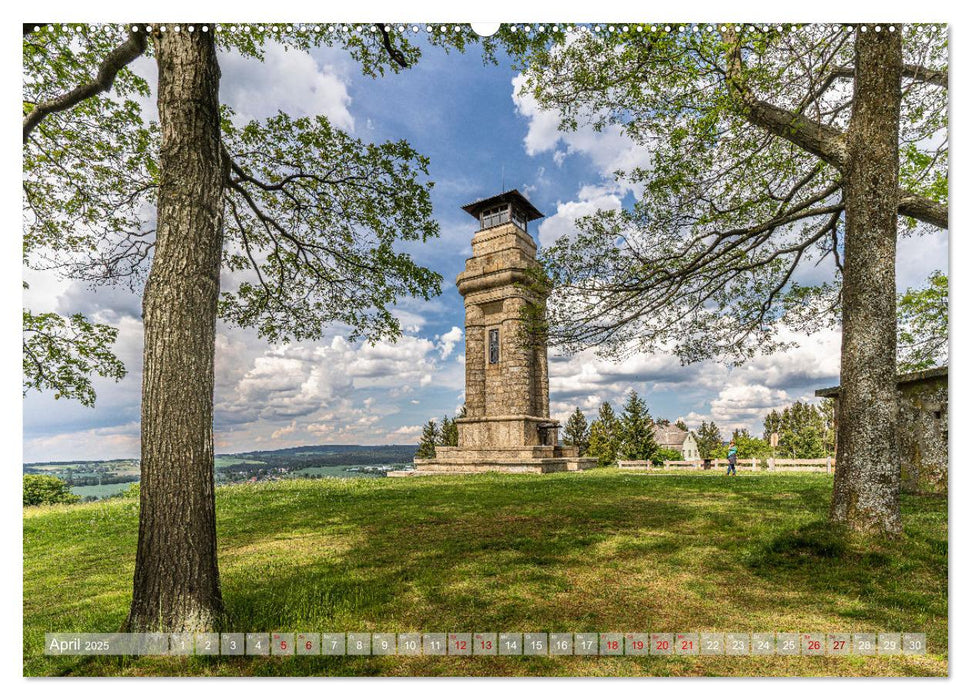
732, 458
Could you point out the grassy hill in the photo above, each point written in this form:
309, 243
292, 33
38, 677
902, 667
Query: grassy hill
600, 551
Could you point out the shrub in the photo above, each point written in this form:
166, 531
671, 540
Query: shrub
133, 491
41, 489
664, 454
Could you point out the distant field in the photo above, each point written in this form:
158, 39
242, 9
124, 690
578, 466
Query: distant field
330, 471
54, 467
226, 461
598, 551
100, 491
80, 470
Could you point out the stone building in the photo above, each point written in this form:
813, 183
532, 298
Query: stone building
671, 437
921, 428
507, 425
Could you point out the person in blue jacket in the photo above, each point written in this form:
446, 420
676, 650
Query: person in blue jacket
732, 458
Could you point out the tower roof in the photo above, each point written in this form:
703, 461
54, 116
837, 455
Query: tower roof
510, 197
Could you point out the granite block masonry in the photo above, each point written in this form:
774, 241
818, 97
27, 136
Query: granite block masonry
507, 426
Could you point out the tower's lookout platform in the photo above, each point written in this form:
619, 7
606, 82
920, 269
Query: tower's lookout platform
507, 426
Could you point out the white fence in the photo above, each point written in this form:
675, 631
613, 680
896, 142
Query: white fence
772, 464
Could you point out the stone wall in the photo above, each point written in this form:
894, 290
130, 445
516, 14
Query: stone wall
922, 435
921, 429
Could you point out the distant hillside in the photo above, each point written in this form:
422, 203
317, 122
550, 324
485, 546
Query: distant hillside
304, 456
328, 455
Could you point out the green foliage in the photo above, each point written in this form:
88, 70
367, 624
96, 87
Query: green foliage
747, 447
681, 424
88, 174
430, 437
60, 353
605, 436
827, 409
805, 430
665, 454
89, 171
577, 432
313, 215
636, 430
42, 489
316, 214
363, 42
709, 440
133, 491
922, 325
706, 261
448, 433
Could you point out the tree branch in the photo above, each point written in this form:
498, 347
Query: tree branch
395, 54
826, 142
116, 60
922, 209
927, 75
915, 72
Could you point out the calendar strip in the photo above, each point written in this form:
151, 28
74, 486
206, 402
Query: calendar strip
476, 644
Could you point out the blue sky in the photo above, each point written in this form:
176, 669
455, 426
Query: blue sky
480, 136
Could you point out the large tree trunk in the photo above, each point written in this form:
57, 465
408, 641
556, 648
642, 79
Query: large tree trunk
176, 583
866, 491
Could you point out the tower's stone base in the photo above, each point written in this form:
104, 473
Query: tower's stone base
537, 459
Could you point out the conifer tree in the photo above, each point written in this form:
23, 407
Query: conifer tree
577, 432
709, 439
605, 436
449, 433
637, 430
429, 438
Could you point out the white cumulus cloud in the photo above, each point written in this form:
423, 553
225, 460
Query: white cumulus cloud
286, 80
448, 341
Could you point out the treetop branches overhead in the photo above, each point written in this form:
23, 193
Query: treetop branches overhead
310, 210
743, 193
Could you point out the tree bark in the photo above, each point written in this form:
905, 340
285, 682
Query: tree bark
866, 490
176, 582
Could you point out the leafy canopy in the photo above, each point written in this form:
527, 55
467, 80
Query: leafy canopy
740, 197
922, 325
314, 217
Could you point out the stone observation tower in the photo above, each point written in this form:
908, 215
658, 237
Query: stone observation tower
507, 425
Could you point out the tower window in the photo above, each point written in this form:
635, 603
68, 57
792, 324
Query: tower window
518, 218
493, 346
494, 216
500, 215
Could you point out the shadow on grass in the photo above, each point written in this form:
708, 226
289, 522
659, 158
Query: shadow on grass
892, 584
576, 552
808, 545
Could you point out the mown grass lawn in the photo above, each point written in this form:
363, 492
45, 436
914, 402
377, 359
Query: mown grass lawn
599, 551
